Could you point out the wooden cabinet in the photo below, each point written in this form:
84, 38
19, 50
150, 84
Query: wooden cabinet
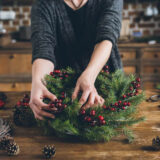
15, 67
140, 59
144, 60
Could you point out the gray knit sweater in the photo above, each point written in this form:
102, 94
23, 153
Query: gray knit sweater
53, 35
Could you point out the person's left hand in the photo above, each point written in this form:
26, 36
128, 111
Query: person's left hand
90, 97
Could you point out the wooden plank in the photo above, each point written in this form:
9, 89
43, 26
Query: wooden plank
17, 86
15, 78
31, 140
16, 63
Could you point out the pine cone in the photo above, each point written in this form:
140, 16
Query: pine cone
49, 151
5, 141
156, 143
13, 149
5, 128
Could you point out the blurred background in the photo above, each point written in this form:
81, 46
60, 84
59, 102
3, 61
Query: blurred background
139, 43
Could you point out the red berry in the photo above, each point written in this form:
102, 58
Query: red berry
1, 103
18, 103
93, 113
125, 103
66, 75
101, 118
89, 119
138, 85
83, 112
85, 118
103, 122
136, 94
62, 96
56, 100
124, 96
113, 109
57, 71
131, 88
123, 108
104, 107
60, 101
116, 104
137, 90
51, 73
128, 104
119, 102
106, 67
64, 106
61, 78
25, 104
138, 79
102, 71
131, 94
59, 104
62, 93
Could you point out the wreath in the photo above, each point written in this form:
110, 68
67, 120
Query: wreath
120, 92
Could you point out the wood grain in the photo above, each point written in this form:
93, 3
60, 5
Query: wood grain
31, 140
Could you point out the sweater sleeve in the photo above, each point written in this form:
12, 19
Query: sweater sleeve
109, 23
43, 36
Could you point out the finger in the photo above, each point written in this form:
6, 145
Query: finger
39, 103
91, 100
35, 114
97, 100
43, 113
75, 93
44, 106
38, 117
102, 101
84, 97
50, 95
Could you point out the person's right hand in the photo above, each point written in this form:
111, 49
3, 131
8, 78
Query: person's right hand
39, 108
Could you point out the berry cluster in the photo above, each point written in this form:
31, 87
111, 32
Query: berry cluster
117, 106
133, 89
105, 69
24, 101
58, 103
23, 115
92, 118
3, 98
59, 74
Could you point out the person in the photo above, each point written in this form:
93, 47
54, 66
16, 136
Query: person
81, 34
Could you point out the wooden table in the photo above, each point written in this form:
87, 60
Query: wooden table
31, 140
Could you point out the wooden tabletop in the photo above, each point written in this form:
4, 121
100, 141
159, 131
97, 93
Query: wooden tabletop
31, 140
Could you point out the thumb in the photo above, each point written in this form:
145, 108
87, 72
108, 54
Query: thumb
50, 95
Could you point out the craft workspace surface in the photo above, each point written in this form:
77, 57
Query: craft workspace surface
31, 140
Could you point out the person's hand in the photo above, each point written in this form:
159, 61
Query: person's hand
39, 108
90, 97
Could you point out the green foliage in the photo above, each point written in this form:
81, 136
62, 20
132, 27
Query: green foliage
111, 87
